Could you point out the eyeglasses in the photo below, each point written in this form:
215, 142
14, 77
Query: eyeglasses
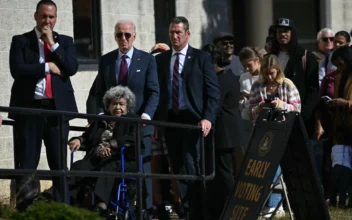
127, 35
325, 39
228, 42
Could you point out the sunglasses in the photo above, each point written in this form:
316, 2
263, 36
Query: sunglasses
127, 35
325, 39
225, 43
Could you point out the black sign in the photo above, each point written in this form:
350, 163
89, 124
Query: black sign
273, 143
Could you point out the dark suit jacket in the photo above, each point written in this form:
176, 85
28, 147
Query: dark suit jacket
228, 126
200, 84
142, 81
26, 71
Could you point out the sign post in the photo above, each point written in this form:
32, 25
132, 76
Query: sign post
277, 142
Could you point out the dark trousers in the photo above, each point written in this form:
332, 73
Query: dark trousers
184, 150
102, 185
341, 179
219, 189
30, 131
147, 141
327, 168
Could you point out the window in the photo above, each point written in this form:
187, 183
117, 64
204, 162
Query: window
86, 30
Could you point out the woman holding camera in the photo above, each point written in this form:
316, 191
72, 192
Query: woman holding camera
273, 90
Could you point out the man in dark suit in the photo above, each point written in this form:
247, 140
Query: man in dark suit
136, 69
41, 63
190, 94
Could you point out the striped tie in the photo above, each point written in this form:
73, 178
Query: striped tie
175, 85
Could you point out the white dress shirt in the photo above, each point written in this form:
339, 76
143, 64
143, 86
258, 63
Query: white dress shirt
330, 68
182, 57
39, 92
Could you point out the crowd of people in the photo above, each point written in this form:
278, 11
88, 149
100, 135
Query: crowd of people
213, 88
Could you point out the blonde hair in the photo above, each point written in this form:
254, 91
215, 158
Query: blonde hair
271, 62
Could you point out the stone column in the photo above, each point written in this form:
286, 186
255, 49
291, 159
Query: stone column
340, 17
206, 17
258, 18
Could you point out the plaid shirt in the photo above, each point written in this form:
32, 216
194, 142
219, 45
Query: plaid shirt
288, 94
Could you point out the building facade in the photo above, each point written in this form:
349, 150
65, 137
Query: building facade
91, 23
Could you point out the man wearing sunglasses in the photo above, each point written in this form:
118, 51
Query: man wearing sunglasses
225, 42
325, 39
137, 70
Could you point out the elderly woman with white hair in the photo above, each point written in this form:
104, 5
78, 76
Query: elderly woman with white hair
102, 142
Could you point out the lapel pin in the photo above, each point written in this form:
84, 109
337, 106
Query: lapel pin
189, 57
138, 71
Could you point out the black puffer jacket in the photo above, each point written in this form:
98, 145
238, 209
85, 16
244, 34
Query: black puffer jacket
306, 80
305, 75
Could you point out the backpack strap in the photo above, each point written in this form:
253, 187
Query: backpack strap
304, 60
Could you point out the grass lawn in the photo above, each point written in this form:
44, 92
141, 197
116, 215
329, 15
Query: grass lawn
335, 214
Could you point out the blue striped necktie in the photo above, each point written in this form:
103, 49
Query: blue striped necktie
175, 84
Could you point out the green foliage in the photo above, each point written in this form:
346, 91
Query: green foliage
49, 211
5, 211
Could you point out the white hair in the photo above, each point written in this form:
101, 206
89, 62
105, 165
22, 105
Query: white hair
324, 30
119, 92
126, 22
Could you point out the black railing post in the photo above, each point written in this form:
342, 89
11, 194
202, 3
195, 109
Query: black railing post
139, 162
62, 173
202, 156
213, 154
63, 159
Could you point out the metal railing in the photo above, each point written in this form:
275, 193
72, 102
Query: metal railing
64, 173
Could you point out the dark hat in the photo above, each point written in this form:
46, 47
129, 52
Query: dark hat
223, 36
285, 22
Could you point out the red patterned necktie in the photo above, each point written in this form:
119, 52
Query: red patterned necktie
175, 85
48, 88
